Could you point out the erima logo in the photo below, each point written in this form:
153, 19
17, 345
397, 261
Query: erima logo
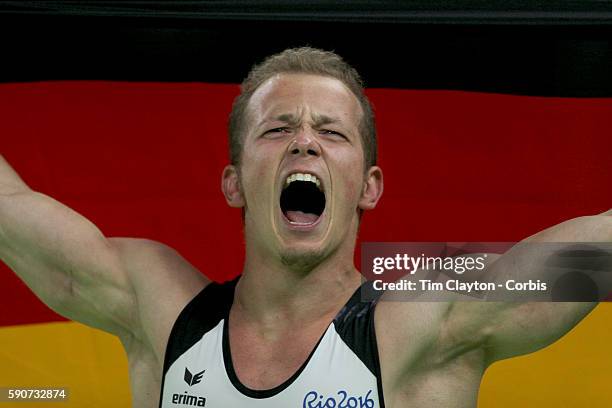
193, 379
188, 399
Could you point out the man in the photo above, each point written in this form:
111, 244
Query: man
291, 331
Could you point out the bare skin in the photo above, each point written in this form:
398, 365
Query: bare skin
294, 280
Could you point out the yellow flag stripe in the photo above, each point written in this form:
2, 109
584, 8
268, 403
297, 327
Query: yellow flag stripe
574, 372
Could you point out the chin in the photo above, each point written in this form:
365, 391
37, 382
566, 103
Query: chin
303, 260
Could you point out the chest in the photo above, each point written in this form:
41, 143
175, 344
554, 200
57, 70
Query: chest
326, 371
264, 362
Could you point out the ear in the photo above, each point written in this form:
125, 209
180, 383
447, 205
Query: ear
230, 185
372, 188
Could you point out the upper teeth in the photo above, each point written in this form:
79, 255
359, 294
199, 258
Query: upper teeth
303, 177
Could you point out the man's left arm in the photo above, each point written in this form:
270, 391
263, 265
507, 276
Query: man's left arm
507, 329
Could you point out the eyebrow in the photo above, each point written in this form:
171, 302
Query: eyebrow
318, 119
288, 118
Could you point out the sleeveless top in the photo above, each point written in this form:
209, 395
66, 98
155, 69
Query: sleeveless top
342, 371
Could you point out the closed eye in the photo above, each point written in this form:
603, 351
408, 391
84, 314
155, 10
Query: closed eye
279, 131
331, 133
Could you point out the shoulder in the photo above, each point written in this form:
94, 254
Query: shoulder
407, 332
163, 283
423, 321
401, 322
156, 263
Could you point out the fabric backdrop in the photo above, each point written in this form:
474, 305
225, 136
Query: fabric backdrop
145, 159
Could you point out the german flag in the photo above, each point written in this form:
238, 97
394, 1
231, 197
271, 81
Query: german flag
494, 122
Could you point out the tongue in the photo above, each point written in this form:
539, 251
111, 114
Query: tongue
301, 217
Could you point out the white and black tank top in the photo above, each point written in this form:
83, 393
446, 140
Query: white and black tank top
343, 370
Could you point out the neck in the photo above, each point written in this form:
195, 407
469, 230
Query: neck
270, 292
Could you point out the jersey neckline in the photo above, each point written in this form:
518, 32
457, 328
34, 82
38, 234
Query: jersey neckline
270, 392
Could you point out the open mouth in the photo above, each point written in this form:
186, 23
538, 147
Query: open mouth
302, 200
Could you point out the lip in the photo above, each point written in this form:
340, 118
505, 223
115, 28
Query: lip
297, 226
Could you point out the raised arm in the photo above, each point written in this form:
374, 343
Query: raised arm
507, 329
62, 257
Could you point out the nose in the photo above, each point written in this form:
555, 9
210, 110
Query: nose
304, 144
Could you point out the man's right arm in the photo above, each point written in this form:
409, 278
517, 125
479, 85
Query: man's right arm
63, 258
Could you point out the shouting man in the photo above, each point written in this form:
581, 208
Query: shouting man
292, 331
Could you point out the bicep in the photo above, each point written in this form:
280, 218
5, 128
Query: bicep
519, 328
514, 328
508, 329
505, 329
65, 260
133, 288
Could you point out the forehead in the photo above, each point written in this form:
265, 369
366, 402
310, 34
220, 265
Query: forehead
304, 94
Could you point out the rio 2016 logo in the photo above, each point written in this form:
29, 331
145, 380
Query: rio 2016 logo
315, 400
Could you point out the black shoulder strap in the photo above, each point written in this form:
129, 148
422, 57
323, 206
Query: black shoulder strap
355, 326
200, 315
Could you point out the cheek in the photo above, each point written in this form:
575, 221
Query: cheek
352, 175
350, 192
261, 159
257, 176
353, 189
